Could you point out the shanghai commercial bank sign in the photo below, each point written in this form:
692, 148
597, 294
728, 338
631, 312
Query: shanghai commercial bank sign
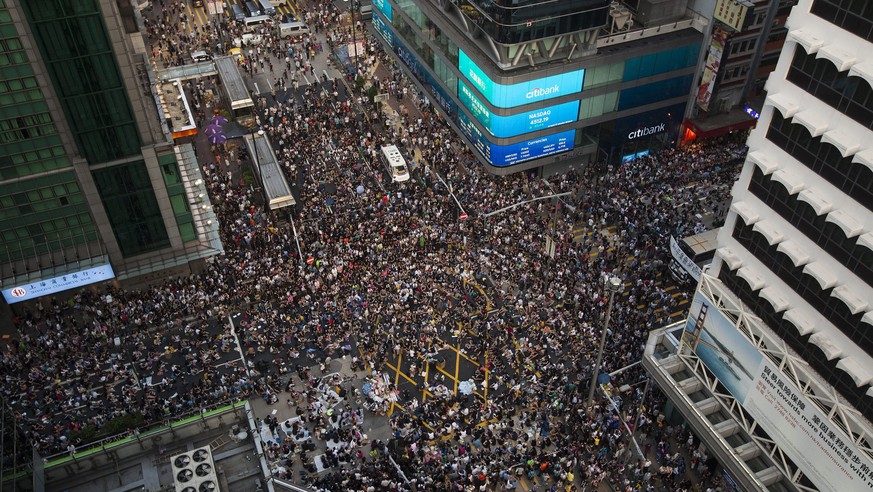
508, 96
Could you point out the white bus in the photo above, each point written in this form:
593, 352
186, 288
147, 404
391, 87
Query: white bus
691, 254
395, 163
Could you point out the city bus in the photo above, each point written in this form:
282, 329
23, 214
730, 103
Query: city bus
395, 163
691, 254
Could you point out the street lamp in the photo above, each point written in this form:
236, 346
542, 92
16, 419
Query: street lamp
613, 285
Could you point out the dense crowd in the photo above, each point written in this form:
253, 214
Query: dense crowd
392, 272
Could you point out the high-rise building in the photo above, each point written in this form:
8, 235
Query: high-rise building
545, 84
775, 362
91, 185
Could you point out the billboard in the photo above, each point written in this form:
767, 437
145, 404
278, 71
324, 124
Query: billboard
732, 13
383, 30
508, 96
827, 457
507, 155
517, 124
60, 283
710, 71
384, 6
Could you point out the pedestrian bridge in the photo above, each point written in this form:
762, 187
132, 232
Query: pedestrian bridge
184, 72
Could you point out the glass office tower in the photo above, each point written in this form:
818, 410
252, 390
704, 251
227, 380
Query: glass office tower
550, 85
90, 183
775, 362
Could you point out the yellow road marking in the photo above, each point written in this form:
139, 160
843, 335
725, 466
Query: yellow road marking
457, 366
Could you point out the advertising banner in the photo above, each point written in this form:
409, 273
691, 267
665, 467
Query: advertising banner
823, 452
507, 155
710, 71
517, 124
60, 283
385, 7
683, 259
508, 96
382, 29
732, 12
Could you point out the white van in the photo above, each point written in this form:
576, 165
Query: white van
253, 22
395, 163
293, 29
200, 56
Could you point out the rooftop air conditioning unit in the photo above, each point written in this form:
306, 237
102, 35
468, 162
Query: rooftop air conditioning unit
194, 471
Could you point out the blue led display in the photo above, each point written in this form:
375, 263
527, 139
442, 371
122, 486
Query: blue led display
517, 124
508, 96
60, 283
382, 29
385, 7
507, 155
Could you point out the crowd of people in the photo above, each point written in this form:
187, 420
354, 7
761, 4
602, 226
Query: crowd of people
391, 272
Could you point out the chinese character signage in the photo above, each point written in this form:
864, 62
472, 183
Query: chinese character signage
60, 283
385, 7
710, 71
508, 96
828, 457
732, 13
383, 30
517, 124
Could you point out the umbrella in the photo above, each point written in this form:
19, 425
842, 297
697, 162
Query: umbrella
329, 201
217, 138
212, 130
218, 120
465, 388
366, 388
360, 189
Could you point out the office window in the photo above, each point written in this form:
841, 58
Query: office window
129, 200
831, 308
801, 215
855, 16
853, 179
604, 75
655, 92
591, 107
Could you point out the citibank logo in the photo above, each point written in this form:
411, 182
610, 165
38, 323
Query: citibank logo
540, 92
642, 132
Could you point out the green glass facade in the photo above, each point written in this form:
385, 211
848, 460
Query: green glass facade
75, 46
129, 200
178, 198
42, 208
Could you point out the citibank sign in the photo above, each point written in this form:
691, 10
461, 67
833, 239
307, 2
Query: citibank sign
645, 131
539, 92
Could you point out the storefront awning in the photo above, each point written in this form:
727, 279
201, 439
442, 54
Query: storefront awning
791, 181
747, 213
810, 43
812, 120
825, 277
769, 231
850, 299
800, 319
730, 258
841, 58
763, 161
771, 294
861, 373
798, 256
749, 275
846, 222
822, 341
845, 144
863, 70
819, 204
783, 103
864, 157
